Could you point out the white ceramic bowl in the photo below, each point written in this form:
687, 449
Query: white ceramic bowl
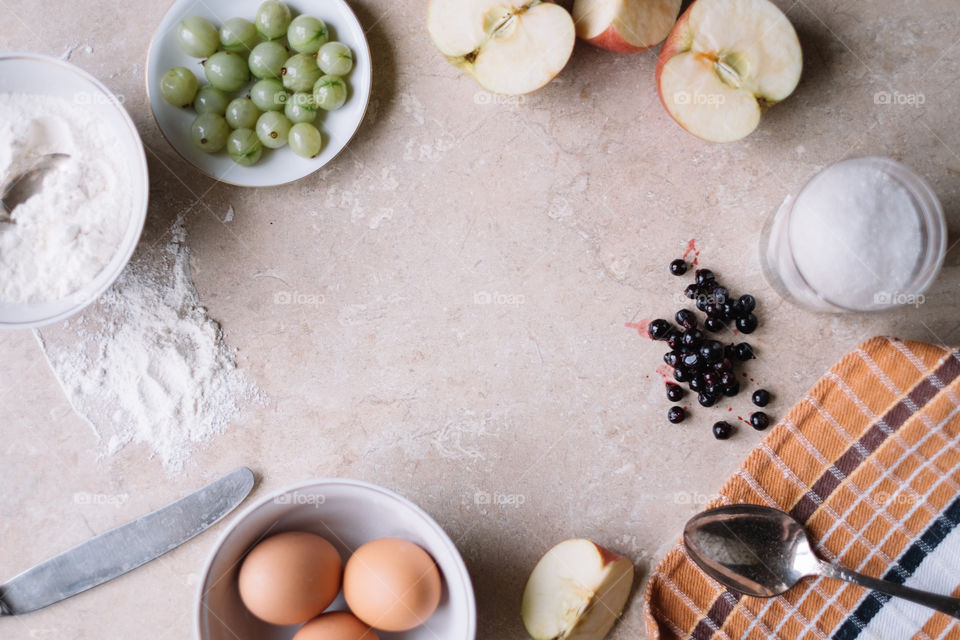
348, 513
37, 74
278, 166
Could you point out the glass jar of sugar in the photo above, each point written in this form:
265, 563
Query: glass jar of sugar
864, 234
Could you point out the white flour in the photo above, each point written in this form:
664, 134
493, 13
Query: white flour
68, 232
146, 364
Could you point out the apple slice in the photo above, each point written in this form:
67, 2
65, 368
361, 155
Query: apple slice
510, 47
576, 592
724, 64
625, 26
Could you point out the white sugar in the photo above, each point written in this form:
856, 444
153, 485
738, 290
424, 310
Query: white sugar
146, 365
63, 236
855, 233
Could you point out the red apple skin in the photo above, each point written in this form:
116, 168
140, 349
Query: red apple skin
674, 44
611, 40
608, 557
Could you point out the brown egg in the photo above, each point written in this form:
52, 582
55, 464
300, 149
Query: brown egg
290, 577
338, 625
391, 584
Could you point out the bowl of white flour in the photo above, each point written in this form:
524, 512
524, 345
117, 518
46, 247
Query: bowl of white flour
68, 242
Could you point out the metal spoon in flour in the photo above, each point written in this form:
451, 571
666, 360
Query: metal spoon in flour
760, 551
20, 187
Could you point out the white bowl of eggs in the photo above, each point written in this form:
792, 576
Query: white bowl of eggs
335, 559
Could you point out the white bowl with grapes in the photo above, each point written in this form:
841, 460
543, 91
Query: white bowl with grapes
259, 93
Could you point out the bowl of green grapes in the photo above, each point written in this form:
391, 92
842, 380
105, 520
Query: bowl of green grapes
259, 93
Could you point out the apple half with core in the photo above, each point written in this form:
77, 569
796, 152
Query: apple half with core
576, 592
625, 26
724, 64
510, 47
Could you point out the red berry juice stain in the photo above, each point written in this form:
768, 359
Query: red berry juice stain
665, 372
641, 327
692, 250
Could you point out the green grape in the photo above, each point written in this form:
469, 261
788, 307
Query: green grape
242, 113
330, 92
209, 132
305, 140
334, 58
272, 19
227, 71
300, 107
238, 35
307, 34
198, 38
244, 147
300, 73
268, 95
273, 129
210, 100
267, 58
178, 86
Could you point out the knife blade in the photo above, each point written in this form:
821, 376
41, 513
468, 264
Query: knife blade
117, 551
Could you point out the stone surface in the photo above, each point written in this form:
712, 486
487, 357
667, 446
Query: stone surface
566, 207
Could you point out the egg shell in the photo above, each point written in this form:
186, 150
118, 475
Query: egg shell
392, 584
337, 625
290, 578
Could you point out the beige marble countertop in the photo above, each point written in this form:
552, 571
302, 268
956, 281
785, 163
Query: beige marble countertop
569, 203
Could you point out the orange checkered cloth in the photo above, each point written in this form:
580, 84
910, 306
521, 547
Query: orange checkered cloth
869, 460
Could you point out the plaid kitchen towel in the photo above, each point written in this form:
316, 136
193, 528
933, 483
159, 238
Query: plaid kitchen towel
869, 460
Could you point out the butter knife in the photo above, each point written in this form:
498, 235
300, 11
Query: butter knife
117, 551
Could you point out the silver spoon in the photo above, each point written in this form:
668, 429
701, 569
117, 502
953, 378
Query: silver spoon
762, 552
20, 187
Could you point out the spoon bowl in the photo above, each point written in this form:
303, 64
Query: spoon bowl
753, 549
18, 188
763, 552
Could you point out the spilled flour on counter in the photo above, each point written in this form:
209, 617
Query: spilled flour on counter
146, 365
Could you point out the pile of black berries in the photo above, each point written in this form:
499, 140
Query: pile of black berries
705, 365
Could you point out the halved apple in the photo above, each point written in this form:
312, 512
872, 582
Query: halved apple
510, 47
576, 592
625, 26
725, 63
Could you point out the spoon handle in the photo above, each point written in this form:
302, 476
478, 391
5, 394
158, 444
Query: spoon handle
945, 604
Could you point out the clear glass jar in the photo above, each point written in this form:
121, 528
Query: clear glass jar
790, 260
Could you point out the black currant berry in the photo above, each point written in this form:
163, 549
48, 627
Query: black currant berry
674, 392
686, 319
744, 351
759, 420
658, 329
761, 397
747, 323
722, 430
